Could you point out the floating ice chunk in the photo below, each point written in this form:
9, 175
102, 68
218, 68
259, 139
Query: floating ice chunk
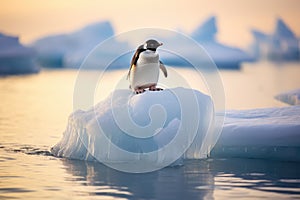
270, 133
291, 97
162, 125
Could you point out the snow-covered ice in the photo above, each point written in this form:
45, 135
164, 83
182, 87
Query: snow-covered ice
290, 97
14, 57
165, 122
269, 133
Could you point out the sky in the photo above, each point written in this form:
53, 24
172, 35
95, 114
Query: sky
32, 19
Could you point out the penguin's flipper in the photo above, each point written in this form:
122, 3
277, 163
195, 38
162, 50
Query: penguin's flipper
163, 68
128, 75
135, 58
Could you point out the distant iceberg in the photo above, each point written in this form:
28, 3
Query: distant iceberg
269, 133
69, 50
15, 58
290, 97
223, 56
85, 140
281, 45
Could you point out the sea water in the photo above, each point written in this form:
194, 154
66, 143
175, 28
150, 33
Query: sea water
33, 114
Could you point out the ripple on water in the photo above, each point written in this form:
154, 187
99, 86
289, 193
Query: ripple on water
27, 149
14, 190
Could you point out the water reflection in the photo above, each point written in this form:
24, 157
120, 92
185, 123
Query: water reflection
34, 111
212, 178
169, 183
260, 178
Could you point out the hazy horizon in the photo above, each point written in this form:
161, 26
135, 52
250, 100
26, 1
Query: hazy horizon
31, 19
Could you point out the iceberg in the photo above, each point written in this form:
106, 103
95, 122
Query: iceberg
15, 58
260, 46
269, 133
69, 50
165, 127
281, 45
225, 57
206, 31
290, 97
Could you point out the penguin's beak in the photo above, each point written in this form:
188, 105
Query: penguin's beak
160, 44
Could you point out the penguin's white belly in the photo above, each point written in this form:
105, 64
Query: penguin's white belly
144, 75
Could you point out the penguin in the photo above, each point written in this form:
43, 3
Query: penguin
144, 68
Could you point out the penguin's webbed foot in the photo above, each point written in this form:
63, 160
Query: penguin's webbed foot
156, 89
139, 91
153, 88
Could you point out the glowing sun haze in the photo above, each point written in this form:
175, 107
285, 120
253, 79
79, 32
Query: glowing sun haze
31, 19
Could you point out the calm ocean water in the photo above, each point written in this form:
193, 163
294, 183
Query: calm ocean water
33, 115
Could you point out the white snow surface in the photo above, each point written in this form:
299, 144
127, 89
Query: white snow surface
269, 133
290, 97
83, 139
267, 127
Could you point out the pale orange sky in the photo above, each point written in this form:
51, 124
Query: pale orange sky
31, 19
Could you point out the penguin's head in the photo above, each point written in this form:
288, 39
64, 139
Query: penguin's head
152, 45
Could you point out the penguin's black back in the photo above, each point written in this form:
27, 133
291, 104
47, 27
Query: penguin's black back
136, 56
